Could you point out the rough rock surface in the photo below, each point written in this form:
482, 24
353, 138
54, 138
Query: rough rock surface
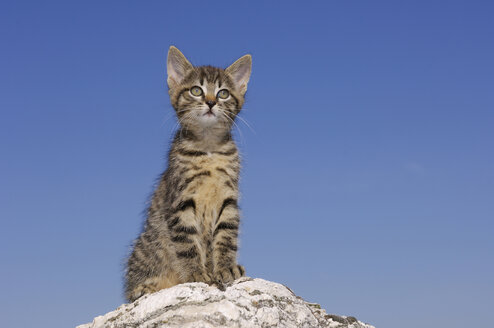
246, 303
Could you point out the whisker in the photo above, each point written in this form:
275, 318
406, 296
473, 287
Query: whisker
167, 118
171, 115
246, 123
235, 124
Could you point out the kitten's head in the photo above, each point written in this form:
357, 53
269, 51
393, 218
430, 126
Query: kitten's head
206, 97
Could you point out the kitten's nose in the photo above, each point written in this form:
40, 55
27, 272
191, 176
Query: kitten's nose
210, 103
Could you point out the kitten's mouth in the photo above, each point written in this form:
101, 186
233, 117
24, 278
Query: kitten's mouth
209, 113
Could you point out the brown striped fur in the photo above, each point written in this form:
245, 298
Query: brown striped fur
192, 223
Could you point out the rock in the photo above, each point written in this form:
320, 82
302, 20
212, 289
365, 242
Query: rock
245, 303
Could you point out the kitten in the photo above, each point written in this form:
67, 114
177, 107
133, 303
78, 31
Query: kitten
192, 223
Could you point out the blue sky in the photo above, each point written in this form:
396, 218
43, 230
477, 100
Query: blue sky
368, 179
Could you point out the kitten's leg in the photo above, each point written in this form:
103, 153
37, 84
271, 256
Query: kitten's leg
147, 271
190, 255
149, 286
225, 237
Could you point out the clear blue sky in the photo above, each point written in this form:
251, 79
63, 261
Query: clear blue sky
368, 182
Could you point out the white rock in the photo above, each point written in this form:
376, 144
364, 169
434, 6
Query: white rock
246, 303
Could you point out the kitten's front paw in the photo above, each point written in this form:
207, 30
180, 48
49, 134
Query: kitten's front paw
226, 275
201, 276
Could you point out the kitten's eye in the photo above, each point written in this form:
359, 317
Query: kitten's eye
196, 91
223, 94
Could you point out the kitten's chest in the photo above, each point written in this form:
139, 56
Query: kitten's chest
209, 186
212, 178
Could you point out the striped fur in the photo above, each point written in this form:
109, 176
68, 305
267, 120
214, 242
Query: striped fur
192, 223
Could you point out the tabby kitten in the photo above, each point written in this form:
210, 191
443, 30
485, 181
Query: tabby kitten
192, 223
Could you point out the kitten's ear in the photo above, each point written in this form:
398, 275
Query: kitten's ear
240, 72
177, 67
